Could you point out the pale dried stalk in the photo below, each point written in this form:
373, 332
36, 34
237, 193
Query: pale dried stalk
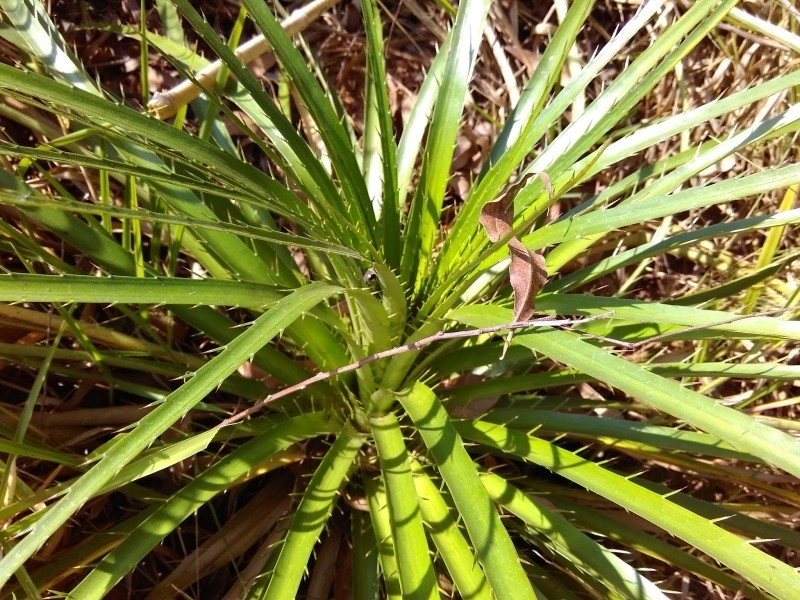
769, 30
505, 68
165, 104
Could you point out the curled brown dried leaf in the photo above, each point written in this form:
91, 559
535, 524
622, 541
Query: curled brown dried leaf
527, 272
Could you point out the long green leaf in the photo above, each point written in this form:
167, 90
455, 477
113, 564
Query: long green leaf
633, 537
382, 115
662, 317
417, 578
117, 166
611, 430
328, 125
454, 549
292, 151
418, 120
310, 517
423, 219
638, 79
465, 229
381, 523
22, 287
366, 585
44, 41
646, 137
776, 577
465, 361
33, 450
523, 127
489, 538
133, 125
605, 568
204, 226
703, 157
656, 247
690, 199
577, 226
737, 429
157, 422
216, 479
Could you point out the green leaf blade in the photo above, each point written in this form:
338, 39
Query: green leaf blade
310, 517
737, 429
417, 578
776, 577
155, 423
489, 537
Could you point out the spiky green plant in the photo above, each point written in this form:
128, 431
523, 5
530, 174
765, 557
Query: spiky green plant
491, 488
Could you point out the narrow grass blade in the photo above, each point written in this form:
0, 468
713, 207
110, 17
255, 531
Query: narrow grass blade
161, 458
33, 450
79, 234
116, 166
770, 248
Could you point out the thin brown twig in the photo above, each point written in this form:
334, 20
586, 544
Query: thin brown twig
450, 335
436, 337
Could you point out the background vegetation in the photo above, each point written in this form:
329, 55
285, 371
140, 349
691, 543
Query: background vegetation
340, 237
